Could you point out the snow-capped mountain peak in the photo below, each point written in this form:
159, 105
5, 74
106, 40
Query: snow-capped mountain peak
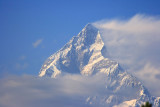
84, 55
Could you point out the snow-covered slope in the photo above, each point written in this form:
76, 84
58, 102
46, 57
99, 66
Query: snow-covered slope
84, 54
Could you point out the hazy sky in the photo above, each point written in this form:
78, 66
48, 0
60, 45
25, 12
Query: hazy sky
30, 31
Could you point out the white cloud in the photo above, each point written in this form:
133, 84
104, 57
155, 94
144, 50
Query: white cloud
150, 76
149, 72
135, 44
37, 43
139, 24
66, 91
69, 90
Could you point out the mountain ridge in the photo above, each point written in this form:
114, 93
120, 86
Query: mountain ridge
88, 45
83, 55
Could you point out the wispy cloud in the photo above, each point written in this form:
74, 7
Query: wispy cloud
37, 43
134, 43
69, 90
66, 91
150, 76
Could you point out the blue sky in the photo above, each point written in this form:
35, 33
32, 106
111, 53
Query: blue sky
30, 31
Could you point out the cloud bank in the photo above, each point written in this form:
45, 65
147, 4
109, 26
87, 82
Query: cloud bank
135, 44
66, 91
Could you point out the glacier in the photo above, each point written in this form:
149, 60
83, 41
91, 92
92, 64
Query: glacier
85, 54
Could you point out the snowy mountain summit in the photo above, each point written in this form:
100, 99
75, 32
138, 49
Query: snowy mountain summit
84, 54
81, 55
